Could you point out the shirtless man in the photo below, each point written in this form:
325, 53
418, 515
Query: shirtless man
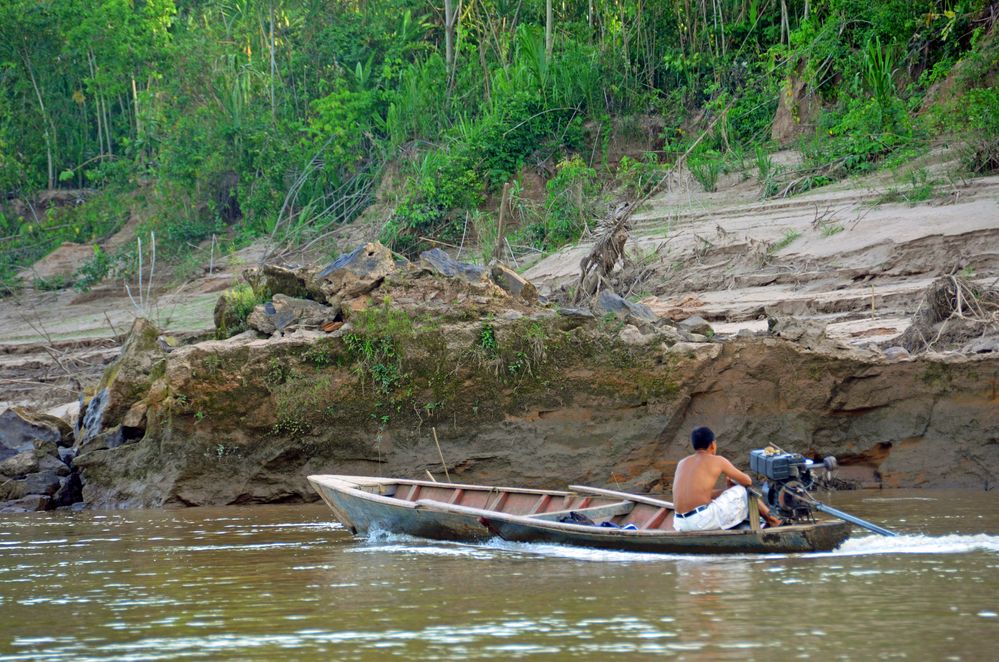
699, 505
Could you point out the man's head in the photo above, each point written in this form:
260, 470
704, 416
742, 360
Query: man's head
701, 438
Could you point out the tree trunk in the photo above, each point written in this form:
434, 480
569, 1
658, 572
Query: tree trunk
785, 29
273, 64
49, 138
549, 20
450, 14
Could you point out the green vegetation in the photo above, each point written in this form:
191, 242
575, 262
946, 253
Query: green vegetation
240, 300
237, 120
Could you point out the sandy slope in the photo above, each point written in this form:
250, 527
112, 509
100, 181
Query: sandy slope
839, 253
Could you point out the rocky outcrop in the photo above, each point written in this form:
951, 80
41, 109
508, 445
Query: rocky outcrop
35, 462
517, 393
284, 314
523, 401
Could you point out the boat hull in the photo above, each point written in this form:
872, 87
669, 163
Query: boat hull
475, 513
821, 537
362, 515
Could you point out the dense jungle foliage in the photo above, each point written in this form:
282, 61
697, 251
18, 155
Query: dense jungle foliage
236, 119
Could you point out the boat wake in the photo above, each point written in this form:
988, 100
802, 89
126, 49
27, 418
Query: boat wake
916, 544
393, 543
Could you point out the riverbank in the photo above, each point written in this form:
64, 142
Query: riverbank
753, 317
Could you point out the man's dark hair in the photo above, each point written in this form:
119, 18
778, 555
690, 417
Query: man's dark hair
701, 438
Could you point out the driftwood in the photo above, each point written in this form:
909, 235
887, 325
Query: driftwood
951, 309
613, 233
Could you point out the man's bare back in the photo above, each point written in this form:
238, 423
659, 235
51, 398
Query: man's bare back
696, 477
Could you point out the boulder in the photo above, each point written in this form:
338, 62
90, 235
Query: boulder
896, 353
808, 332
126, 381
355, 273
608, 302
294, 282
692, 337
630, 335
70, 491
285, 313
134, 421
20, 427
111, 438
437, 261
28, 504
984, 345
12, 489
18, 466
696, 325
42, 482
513, 283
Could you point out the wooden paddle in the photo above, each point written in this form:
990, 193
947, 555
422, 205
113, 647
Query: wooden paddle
637, 498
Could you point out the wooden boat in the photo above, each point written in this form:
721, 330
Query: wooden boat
364, 504
472, 513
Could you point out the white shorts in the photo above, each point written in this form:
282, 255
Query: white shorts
726, 511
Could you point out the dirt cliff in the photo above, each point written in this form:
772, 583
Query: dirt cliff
518, 393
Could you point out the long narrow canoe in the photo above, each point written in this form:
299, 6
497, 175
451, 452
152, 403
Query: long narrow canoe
472, 513
364, 504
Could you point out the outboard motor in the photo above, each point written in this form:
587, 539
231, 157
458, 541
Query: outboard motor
789, 477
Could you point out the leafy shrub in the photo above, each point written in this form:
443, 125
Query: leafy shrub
239, 303
706, 168
93, 271
764, 164
981, 117
640, 176
569, 206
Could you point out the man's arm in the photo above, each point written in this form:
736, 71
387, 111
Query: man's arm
734, 474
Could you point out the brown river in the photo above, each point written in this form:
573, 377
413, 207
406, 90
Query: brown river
287, 582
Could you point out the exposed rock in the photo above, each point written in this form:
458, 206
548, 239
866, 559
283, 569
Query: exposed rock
808, 332
126, 381
284, 314
697, 325
19, 427
513, 283
245, 420
29, 504
895, 353
356, 273
70, 491
42, 482
17, 466
630, 335
439, 262
608, 302
295, 282
700, 350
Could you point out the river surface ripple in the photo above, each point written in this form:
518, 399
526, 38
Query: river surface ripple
288, 582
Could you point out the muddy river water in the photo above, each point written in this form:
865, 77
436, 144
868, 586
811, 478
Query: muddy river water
287, 582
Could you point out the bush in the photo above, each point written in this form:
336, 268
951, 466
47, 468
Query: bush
239, 303
706, 168
569, 207
981, 119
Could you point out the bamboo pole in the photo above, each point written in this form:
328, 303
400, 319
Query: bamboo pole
439, 452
